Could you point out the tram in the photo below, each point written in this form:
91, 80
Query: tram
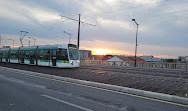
59, 55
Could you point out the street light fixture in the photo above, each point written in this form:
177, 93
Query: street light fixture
69, 35
33, 39
12, 41
136, 39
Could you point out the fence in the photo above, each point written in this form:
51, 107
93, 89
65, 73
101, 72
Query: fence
161, 65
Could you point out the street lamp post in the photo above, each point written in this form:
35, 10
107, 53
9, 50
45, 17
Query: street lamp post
12, 41
136, 40
29, 42
33, 40
186, 65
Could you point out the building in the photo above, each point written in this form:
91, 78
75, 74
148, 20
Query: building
119, 61
6, 47
171, 60
150, 58
85, 54
139, 61
100, 57
183, 59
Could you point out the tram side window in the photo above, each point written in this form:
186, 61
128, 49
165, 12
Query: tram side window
54, 53
32, 54
44, 54
26, 54
5, 54
14, 54
62, 54
22, 54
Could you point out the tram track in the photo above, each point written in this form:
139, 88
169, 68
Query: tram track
175, 74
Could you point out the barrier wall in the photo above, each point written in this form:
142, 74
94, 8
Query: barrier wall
161, 65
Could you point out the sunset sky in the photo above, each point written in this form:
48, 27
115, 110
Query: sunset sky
163, 25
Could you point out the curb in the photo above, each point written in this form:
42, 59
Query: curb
149, 94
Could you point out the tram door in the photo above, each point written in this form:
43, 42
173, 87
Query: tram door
22, 56
32, 57
53, 57
7, 57
1, 55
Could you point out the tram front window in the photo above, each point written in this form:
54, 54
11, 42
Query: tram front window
73, 52
62, 54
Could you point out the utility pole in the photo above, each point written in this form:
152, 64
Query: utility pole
79, 21
78, 31
69, 35
22, 35
0, 42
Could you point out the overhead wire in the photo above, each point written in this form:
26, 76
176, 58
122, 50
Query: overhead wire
137, 6
129, 8
154, 16
165, 14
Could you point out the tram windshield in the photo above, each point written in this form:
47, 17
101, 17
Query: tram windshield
73, 52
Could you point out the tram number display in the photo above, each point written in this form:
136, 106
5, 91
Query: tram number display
72, 47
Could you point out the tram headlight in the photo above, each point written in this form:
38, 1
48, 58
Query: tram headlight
71, 62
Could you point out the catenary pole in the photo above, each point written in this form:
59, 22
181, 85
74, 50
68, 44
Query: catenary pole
78, 44
79, 22
0, 41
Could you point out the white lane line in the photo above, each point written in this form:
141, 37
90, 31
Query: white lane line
74, 105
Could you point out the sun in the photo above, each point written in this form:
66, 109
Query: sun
101, 51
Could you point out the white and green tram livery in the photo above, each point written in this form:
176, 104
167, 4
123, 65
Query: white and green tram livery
4, 55
60, 55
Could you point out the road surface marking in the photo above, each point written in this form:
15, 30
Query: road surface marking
109, 90
70, 104
22, 82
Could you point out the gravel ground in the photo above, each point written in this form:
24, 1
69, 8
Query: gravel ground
156, 80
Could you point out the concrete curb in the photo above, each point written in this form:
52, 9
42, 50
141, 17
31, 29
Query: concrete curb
155, 95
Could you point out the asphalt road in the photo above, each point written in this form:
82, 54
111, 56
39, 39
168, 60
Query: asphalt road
172, 82
25, 92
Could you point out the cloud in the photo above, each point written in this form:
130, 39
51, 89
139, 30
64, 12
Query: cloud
124, 48
121, 25
161, 23
24, 12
